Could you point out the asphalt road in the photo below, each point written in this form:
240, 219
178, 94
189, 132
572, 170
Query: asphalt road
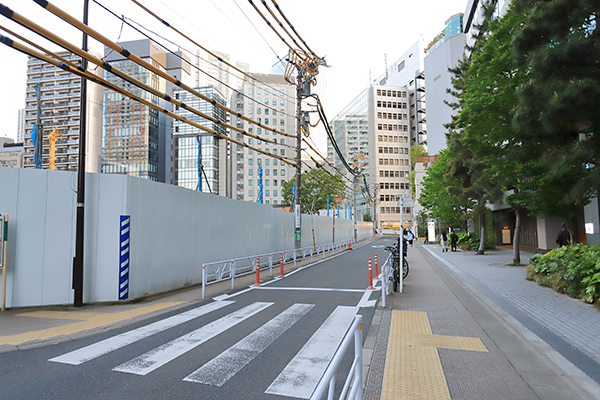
263, 343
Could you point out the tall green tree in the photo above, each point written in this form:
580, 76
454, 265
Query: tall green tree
316, 185
558, 48
436, 198
472, 172
489, 103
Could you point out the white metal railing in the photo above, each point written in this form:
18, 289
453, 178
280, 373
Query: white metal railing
219, 271
352, 388
385, 274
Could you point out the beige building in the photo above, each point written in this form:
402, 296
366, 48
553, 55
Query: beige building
59, 95
389, 158
11, 154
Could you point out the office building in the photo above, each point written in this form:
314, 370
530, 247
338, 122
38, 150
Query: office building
11, 153
57, 102
200, 157
443, 54
137, 139
270, 100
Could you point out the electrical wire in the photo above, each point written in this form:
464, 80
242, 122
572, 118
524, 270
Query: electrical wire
124, 18
292, 26
132, 57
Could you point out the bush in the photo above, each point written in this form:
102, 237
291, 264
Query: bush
470, 241
573, 270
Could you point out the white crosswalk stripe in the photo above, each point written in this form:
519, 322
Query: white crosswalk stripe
158, 357
222, 368
301, 376
116, 342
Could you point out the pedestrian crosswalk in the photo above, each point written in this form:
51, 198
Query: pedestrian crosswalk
298, 379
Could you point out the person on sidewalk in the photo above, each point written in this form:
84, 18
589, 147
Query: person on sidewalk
564, 237
410, 236
444, 242
453, 240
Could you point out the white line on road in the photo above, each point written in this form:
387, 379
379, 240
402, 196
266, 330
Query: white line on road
116, 342
301, 376
309, 288
158, 357
222, 368
364, 301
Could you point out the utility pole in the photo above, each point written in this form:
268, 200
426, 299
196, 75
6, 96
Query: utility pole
38, 130
297, 214
78, 259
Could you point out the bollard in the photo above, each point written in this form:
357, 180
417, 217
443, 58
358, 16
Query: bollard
257, 271
281, 264
376, 274
370, 276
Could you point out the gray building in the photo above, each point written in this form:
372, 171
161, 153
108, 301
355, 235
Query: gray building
59, 95
200, 158
11, 153
270, 100
21, 125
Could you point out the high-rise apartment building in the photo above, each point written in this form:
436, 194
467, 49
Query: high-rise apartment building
56, 102
200, 158
270, 100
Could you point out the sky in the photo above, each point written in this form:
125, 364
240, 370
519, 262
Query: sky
354, 36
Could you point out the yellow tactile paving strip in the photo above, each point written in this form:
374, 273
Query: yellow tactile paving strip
413, 369
87, 321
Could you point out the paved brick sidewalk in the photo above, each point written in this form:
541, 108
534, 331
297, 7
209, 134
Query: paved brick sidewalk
513, 367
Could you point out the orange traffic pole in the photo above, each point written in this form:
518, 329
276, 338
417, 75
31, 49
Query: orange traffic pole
376, 274
370, 276
257, 271
281, 264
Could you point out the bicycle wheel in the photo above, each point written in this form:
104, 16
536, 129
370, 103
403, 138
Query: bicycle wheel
404, 269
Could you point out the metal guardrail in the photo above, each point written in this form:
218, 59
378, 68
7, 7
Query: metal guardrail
219, 271
385, 274
352, 388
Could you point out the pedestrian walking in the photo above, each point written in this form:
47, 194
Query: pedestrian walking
410, 237
564, 237
444, 242
453, 241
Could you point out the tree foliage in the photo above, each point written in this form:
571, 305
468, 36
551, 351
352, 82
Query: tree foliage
558, 49
316, 185
436, 198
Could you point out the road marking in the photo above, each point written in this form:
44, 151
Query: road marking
116, 342
222, 368
302, 374
413, 368
364, 300
158, 357
310, 289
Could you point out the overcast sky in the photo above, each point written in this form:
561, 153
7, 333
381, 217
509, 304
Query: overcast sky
352, 35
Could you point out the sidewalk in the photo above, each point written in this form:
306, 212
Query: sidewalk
24, 328
537, 341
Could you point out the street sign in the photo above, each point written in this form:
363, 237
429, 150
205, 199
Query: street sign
338, 200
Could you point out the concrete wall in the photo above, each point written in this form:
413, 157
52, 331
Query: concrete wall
173, 231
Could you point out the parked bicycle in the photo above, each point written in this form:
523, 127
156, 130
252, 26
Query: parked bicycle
396, 263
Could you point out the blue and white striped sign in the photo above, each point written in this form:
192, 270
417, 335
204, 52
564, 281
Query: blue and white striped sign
124, 258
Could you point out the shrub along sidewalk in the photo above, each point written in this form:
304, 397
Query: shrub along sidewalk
573, 270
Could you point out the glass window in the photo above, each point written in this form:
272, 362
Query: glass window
250, 151
267, 172
283, 152
281, 102
250, 182
250, 140
250, 172
281, 92
249, 90
275, 172
250, 192
274, 180
266, 111
275, 202
249, 110
259, 161
267, 193
283, 172
266, 182
258, 100
281, 122
258, 111
266, 121
274, 191
250, 161
257, 90
267, 101
267, 161
266, 201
